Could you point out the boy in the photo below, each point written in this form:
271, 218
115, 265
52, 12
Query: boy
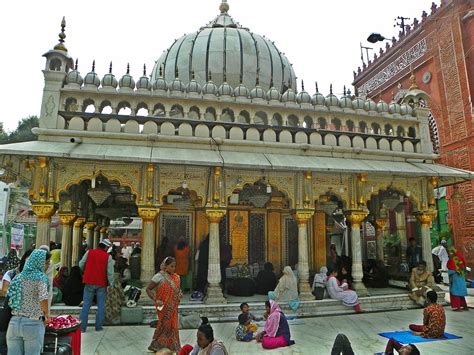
242, 332
251, 327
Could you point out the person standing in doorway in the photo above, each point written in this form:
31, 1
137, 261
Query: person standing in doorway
181, 254
98, 268
414, 253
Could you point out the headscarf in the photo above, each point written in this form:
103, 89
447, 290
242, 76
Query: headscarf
60, 278
287, 282
33, 271
456, 262
322, 277
273, 320
12, 260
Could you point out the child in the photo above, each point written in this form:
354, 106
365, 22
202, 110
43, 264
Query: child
242, 332
244, 307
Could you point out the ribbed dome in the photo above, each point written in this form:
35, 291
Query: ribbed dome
406, 109
382, 106
144, 83
273, 94
257, 93
177, 85
127, 81
227, 50
225, 90
370, 105
394, 107
303, 98
241, 91
74, 77
194, 87
288, 96
92, 78
358, 103
318, 99
209, 88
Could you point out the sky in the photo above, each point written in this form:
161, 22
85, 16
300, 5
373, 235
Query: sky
320, 38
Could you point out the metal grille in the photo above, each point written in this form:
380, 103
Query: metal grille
257, 238
174, 226
223, 231
291, 238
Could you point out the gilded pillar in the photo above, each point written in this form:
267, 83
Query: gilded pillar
356, 218
380, 223
43, 212
90, 234
148, 216
425, 220
302, 218
96, 236
214, 291
77, 241
66, 241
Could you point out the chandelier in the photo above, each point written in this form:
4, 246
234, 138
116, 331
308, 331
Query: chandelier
99, 195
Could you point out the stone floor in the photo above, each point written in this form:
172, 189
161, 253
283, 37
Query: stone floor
312, 335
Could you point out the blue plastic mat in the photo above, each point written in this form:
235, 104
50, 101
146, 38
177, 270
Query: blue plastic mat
406, 337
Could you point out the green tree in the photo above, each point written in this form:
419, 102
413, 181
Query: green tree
23, 131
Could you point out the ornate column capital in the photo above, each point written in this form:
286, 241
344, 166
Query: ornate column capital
381, 223
90, 225
356, 217
97, 228
148, 214
103, 229
67, 218
426, 217
79, 222
44, 210
302, 216
215, 215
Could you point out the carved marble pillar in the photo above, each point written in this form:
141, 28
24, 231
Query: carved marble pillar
380, 222
90, 234
302, 218
77, 240
66, 241
148, 216
214, 291
356, 218
425, 220
43, 212
96, 236
402, 232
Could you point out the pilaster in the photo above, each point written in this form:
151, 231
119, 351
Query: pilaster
356, 218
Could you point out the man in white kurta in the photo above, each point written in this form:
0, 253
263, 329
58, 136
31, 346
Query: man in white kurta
442, 253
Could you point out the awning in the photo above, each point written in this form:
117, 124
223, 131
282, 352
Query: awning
234, 159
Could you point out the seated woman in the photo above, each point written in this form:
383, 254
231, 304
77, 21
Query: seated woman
276, 333
266, 279
421, 281
286, 290
339, 291
206, 344
73, 288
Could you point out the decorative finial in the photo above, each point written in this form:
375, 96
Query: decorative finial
75, 64
225, 77
128, 68
210, 76
271, 82
192, 75
144, 69
62, 35
93, 66
257, 80
241, 78
344, 90
302, 85
330, 89
161, 71
224, 7
316, 84
413, 85
176, 73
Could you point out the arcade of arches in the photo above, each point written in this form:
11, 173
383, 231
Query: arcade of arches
287, 218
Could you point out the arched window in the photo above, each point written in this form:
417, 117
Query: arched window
194, 113
362, 127
88, 106
336, 124
260, 118
55, 64
71, 104
400, 131
277, 120
293, 121
210, 114
412, 132
124, 108
227, 115
244, 117
159, 110
322, 123
388, 130
176, 111
308, 122
350, 125
375, 128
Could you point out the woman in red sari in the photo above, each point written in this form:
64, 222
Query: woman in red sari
164, 290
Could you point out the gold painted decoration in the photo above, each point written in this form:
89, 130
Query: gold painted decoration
215, 215
148, 214
67, 218
380, 222
274, 239
90, 225
426, 218
303, 216
239, 235
44, 210
319, 243
356, 217
79, 222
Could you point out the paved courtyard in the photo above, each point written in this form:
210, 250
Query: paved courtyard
312, 335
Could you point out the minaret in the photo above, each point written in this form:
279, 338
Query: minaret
58, 63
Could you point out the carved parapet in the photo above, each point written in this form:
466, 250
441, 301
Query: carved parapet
44, 210
148, 214
302, 216
215, 215
79, 222
67, 218
356, 217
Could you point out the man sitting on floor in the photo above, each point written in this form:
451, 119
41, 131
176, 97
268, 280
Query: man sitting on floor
421, 281
434, 319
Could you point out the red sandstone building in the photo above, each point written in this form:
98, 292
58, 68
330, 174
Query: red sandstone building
439, 49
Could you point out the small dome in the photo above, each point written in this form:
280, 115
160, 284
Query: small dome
177, 85
331, 100
406, 109
144, 83
288, 96
160, 84
303, 97
92, 78
318, 99
241, 91
225, 89
209, 88
358, 103
74, 77
257, 93
193, 87
394, 107
273, 94
370, 105
345, 101
127, 81
382, 106
109, 79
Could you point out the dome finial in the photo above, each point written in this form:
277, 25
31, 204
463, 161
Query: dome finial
161, 71
192, 75
210, 76
224, 7
128, 68
75, 64
344, 90
330, 89
60, 46
110, 68
176, 73
93, 66
144, 69
316, 84
302, 85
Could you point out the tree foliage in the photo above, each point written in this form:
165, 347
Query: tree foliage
23, 131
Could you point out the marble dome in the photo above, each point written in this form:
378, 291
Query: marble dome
230, 52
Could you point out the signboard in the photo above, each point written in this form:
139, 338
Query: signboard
17, 236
